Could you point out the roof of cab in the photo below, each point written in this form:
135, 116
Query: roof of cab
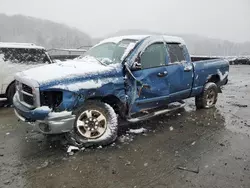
19, 45
140, 37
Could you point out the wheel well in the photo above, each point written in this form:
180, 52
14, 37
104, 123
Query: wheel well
215, 79
114, 102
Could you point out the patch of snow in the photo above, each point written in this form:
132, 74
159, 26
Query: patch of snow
137, 131
222, 76
120, 38
193, 143
128, 49
72, 148
171, 128
125, 138
19, 45
59, 114
174, 39
89, 84
44, 108
72, 68
106, 60
140, 37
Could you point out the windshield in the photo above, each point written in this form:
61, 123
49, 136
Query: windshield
110, 53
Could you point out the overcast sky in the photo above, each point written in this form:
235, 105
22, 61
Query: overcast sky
225, 19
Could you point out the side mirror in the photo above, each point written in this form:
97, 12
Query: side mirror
137, 64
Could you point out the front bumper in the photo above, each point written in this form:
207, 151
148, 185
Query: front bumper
43, 119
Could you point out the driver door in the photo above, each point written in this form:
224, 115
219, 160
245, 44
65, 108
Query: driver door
153, 75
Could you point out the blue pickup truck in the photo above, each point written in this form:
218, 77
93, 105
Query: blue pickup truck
129, 78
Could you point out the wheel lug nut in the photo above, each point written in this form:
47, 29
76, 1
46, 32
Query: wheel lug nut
96, 123
95, 127
92, 129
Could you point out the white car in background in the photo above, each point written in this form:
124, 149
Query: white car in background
16, 57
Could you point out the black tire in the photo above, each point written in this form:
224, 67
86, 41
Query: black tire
10, 93
110, 134
208, 98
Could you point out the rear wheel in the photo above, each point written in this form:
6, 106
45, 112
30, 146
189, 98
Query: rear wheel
209, 96
96, 124
10, 93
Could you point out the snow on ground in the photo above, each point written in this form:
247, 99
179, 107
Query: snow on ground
137, 131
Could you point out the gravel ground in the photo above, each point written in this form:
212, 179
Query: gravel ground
204, 148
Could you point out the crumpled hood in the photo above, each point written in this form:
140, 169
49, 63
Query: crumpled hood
65, 70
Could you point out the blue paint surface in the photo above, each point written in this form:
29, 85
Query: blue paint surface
178, 84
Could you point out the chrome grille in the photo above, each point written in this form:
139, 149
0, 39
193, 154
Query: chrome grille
26, 94
26, 88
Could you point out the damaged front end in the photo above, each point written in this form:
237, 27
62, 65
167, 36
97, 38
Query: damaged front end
43, 118
50, 112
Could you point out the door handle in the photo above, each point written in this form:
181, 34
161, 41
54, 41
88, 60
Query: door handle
162, 74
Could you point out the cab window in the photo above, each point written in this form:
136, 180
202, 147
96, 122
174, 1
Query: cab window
154, 56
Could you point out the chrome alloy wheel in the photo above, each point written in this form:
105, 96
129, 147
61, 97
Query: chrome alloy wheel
91, 124
210, 98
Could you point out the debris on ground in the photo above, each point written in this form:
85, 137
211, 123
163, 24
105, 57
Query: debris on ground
71, 150
221, 144
193, 143
240, 105
177, 154
99, 147
127, 163
7, 182
125, 138
7, 133
137, 131
171, 128
44, 165
145, 164
189, 170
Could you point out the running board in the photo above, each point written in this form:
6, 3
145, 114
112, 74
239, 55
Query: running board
3, 99
156, 113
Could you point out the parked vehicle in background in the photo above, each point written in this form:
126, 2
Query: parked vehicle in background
15, 57
121, 76
65, 54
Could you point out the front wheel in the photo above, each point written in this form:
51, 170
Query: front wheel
10, 93
209, 96
96, 124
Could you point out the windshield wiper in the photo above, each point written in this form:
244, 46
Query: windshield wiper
89, 56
